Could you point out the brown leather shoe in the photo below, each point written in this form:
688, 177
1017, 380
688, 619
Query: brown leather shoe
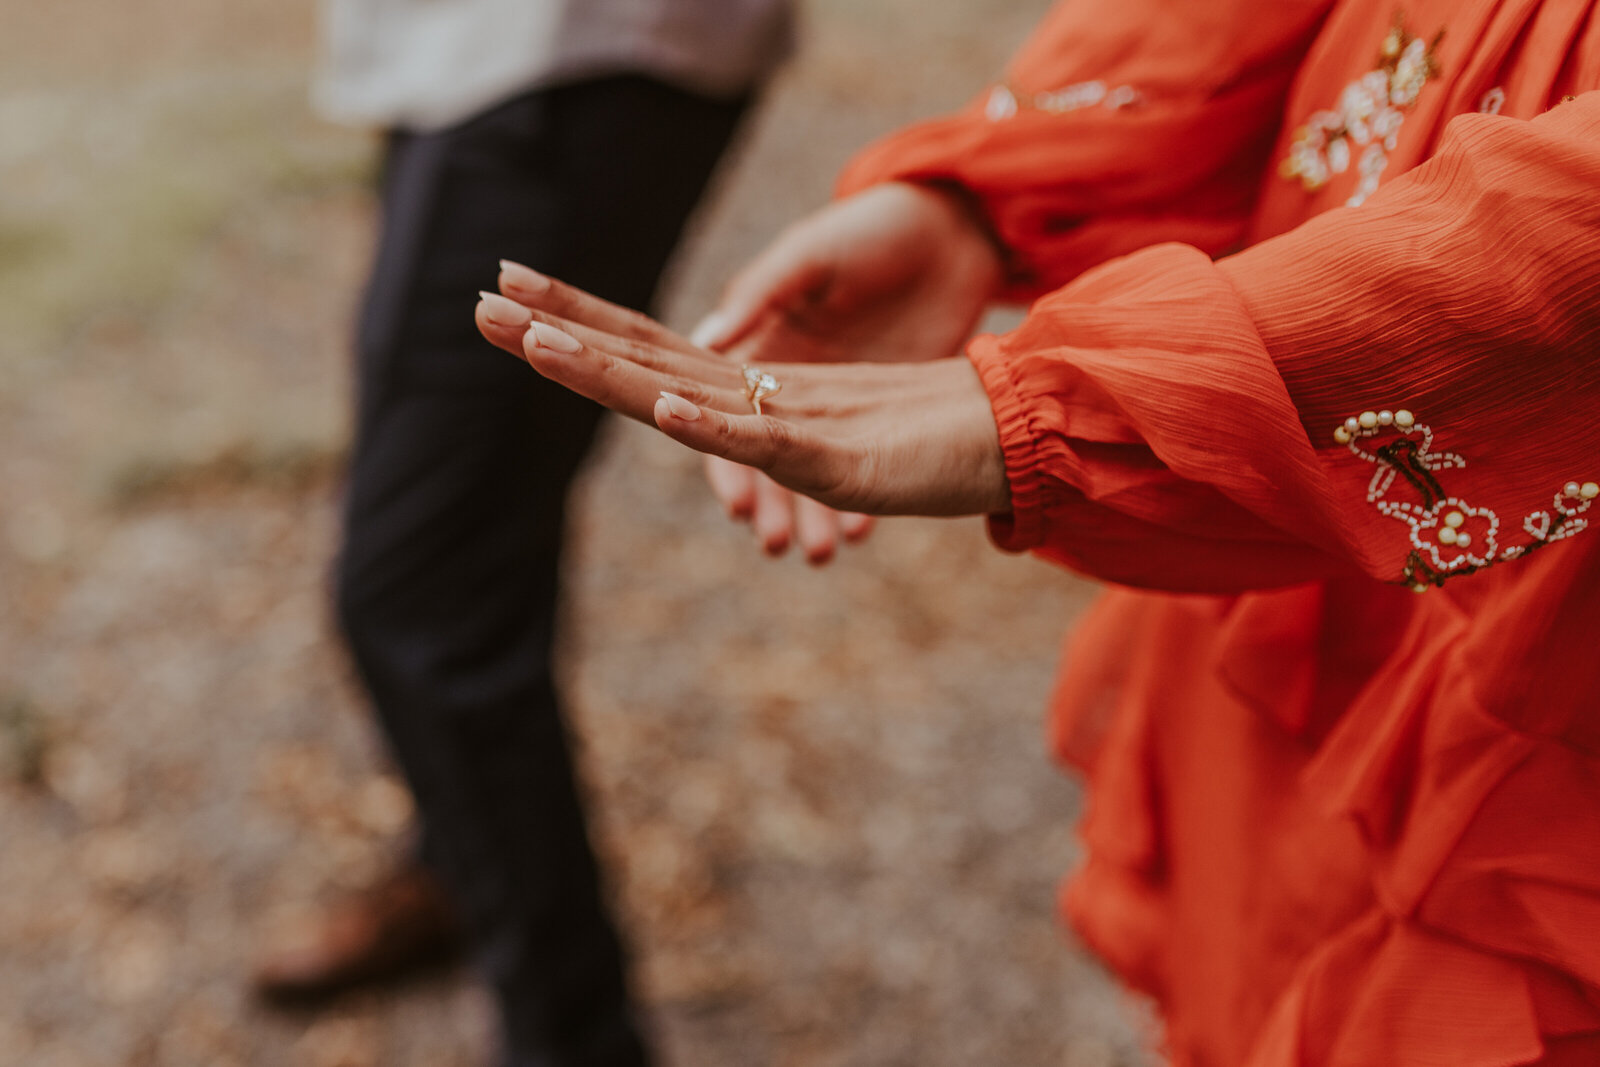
402, 924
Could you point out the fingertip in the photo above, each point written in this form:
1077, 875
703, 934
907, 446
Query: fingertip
773, 519
502, 311
666, 421
733, 484
740, 498
676, 408
669, 415
817, 527
820, 555
508, 338
514, 275
855, 526
543, 336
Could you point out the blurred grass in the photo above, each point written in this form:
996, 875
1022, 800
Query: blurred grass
284, 466
162, 246
104, 210
23, 739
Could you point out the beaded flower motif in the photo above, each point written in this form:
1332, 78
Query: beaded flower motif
1449, 536
1004, 102
1369, 115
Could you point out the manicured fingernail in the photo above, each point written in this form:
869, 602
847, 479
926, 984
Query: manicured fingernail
710, 330
503, 312
680, 408
547, 336
525, 278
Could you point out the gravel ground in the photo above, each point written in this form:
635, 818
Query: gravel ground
831, 826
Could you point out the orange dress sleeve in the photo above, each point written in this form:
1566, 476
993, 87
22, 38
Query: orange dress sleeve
1406, 388
1118, 126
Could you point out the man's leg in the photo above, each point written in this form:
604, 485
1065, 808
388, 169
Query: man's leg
449, 576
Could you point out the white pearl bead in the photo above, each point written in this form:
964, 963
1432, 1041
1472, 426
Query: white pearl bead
1463, 539
1589, 490
1571, 489
1352, 424
1404, 419
1342, 435
1368, 419
1448, 536
1385, 418
1454, 519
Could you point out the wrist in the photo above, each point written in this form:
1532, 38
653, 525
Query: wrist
967, 227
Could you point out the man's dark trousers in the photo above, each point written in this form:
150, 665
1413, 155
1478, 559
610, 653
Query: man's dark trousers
448, 579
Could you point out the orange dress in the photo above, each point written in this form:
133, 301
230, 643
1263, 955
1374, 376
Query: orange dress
1332, 822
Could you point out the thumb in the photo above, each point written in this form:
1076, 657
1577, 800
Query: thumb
782, 275
711, 331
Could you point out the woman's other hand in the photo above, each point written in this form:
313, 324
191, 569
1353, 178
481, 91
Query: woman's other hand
779, 517
895, 273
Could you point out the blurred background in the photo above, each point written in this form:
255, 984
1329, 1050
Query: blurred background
823, 797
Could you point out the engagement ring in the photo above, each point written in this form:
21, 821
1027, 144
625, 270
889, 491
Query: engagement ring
759, 386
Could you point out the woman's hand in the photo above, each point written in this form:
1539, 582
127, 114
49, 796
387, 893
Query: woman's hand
777, 516
897, 272
900, 438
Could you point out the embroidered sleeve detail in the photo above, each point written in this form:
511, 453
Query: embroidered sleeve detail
1004, 101
1369, 115
1449, 535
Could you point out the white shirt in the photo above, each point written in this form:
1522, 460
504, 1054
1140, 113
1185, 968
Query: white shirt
424, 64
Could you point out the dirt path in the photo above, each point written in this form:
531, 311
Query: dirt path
832, 827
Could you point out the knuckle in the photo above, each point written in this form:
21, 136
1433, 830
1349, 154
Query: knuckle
691, 390
780, 437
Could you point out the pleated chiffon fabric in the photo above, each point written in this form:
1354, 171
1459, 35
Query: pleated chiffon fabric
1316, 325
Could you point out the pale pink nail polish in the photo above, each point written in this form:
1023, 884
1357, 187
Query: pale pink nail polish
503, 312
547, 336
525, 278
680, 408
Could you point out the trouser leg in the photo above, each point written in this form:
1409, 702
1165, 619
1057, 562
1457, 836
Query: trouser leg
448, 580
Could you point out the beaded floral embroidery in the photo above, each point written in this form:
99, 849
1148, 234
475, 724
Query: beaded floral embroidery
1005, 102
1369, 115
1449, 536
